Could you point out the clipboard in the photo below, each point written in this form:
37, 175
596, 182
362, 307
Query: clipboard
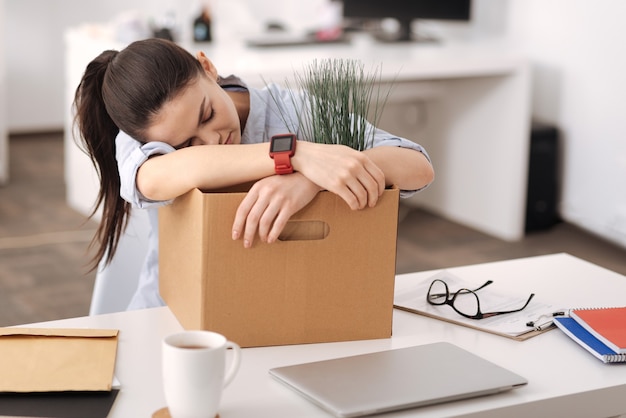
410, 296
529, 334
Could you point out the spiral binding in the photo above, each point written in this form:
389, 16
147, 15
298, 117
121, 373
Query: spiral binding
581, 340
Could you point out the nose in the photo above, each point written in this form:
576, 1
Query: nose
207, 138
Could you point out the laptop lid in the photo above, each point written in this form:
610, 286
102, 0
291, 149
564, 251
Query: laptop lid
397, 379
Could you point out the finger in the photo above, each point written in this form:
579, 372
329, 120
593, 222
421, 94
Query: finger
349, 197
267, 221
373, 195
371, 188
360, 192
252, 223
378, 176
277, 228
367, 187
242, 214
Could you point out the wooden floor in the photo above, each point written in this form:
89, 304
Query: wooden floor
44, 257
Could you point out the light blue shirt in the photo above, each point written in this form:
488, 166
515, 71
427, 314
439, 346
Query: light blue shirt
272, 111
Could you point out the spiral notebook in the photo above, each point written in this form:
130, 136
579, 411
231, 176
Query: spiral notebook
572, 326
606, 324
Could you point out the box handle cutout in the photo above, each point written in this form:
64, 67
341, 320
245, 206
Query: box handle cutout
304, 231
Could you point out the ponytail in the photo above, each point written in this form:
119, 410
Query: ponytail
96, 137
124, 91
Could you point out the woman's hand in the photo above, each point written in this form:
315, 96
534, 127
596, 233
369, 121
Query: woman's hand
269, 204
342, 170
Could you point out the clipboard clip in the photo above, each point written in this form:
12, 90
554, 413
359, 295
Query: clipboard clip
544, 321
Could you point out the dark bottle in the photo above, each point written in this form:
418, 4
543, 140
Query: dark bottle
202, 27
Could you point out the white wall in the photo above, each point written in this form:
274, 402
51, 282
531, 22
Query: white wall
574, 46
577, 52
4, 144
35, 52
34, 30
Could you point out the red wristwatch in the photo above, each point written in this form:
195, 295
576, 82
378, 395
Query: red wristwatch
282, 148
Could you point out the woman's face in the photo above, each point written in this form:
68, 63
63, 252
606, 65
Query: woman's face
202, 114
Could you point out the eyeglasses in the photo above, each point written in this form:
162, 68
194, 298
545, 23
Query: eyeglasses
464, 301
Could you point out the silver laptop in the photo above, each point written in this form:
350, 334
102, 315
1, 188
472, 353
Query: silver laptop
396, 379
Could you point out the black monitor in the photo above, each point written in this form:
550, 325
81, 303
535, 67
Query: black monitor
405, 11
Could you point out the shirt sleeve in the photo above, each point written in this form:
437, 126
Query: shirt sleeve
383, 138
130, 155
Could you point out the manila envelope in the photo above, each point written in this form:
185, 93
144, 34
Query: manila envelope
54, 360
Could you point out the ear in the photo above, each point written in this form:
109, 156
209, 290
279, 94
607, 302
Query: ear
208, 66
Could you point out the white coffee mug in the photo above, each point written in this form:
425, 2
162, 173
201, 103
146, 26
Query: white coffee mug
194, 372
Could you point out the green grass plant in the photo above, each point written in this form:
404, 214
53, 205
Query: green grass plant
340, 96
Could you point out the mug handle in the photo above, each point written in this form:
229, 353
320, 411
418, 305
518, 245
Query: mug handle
234, 364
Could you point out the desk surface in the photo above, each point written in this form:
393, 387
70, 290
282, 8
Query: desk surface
563, 377
398, 62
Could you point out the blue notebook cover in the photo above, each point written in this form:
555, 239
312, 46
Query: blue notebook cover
583, 337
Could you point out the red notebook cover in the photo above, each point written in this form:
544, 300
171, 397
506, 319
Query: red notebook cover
607, 324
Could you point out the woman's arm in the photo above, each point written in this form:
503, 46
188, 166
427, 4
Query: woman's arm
341, 170
167, 176
359, 178
405, 168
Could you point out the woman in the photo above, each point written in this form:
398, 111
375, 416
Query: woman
151, 116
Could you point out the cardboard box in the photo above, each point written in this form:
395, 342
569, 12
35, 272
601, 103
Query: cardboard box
329, 278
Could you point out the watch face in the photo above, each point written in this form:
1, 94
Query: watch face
281, 143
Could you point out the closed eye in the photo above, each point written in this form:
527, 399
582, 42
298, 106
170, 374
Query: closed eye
185, 144
209, 118
189, 142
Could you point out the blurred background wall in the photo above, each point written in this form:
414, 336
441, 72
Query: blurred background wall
574, 47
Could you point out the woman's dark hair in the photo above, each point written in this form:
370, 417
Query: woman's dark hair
123, 91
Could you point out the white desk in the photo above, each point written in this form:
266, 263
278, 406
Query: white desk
468, 104
564, 379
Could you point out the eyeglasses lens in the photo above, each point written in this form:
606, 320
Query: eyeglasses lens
438, 293
466, 302
463, 301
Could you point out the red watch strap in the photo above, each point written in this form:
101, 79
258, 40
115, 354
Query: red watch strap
282, 163
282, 148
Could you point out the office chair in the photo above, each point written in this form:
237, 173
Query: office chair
116, 282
